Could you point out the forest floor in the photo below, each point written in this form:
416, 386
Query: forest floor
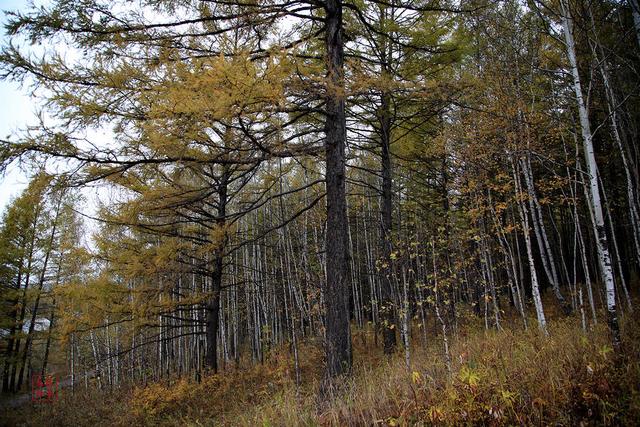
506, 377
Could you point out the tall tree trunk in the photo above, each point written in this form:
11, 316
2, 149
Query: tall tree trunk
546, 255
436, 305
535, 290
34, 314
13, 318
213, 305
616, 251
616, 129
602, 245
47, 346
581, 243
23, 308
336, 298
388, 307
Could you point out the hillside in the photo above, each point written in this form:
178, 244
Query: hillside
321, 212
507, 377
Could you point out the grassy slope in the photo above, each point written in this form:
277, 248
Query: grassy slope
514, 376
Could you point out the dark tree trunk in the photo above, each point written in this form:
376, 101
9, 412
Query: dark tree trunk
213, 315
336, 292
388, 307
13, 316
23, 307
34, 314
45, 360
213, 305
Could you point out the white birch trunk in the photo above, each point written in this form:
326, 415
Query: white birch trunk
445, 339
548, 260
612, 106
592, 168
535, 290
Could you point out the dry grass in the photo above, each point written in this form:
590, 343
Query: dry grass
503, 377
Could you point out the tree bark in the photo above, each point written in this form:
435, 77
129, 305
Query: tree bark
213, 305
602, 245
635, 9
548, 260
338, 334
388, 307
535, 290
41, 281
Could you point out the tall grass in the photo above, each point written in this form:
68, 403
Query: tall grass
508, 377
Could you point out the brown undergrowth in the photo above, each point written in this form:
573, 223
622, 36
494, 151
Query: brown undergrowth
511, 376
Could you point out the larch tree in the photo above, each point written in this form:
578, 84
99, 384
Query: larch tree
287, 180
128, 56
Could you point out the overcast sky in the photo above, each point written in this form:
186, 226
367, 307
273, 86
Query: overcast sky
16, 111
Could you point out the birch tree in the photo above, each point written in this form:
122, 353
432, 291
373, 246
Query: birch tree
602, 245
